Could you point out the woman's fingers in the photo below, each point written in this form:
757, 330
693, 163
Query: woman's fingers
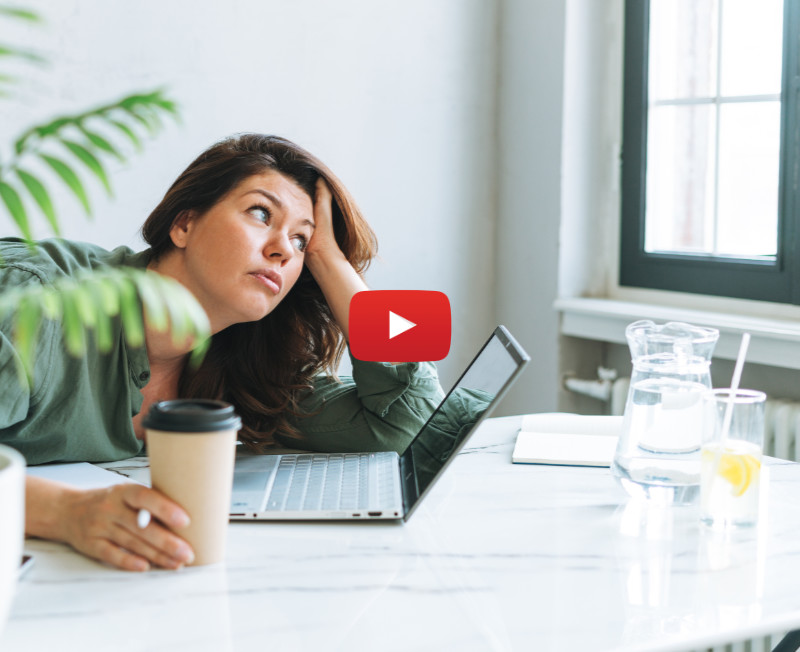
169, 550
323, 252
159, 506
112, 554
323, 237
104, 525
322, 205
164, 555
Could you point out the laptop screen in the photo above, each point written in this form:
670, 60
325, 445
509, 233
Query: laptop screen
470, 401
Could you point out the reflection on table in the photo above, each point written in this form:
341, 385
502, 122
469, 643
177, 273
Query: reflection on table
498, 557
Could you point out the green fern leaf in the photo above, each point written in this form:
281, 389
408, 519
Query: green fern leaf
154, 307
41, 131
16, 208
52, 128
70, 178
180, 323
104, 305
52, 307
151, 114
130, 133
168, 105
41, 197
28, 322
19, 145
129, 312
23, 14
71, 324
84, 305
142, 120
199, 352
101, 143
105, 293
102, 331
90, 161
33, 57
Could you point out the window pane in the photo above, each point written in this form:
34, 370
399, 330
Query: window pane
680, 179
752, 42
748, 179
682, 49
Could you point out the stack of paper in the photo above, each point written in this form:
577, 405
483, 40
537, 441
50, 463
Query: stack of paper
79, 474
567, 439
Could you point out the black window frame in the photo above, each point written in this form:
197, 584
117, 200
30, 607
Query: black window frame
775, 281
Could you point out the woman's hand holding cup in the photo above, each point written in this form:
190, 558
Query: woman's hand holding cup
103, 524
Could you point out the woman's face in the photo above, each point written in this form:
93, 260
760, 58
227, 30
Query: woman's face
243, 255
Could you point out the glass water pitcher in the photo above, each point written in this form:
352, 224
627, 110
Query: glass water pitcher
658, 454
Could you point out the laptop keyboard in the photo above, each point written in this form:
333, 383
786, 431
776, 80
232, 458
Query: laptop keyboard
331, 482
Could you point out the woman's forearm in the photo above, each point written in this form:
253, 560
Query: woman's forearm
103, 523
44, 507
339, 282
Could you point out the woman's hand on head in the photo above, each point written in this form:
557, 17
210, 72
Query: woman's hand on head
323, 245
334, 274
103, 524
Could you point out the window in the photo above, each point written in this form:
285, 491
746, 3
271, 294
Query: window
709, 183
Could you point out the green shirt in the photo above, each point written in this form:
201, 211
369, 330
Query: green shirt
80, 408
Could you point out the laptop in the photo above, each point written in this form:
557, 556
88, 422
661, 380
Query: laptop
383, 485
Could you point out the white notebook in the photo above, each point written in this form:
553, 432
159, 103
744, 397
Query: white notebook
567, 439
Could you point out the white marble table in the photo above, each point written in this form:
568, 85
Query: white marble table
498, 557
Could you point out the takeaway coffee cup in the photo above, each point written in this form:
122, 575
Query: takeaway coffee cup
191, 444
12, 525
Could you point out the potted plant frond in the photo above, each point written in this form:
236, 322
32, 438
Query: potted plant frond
73, 150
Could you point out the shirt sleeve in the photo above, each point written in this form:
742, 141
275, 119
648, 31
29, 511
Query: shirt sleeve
380, 407
17, 393
15, 397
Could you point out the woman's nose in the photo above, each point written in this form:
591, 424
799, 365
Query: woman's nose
279, 246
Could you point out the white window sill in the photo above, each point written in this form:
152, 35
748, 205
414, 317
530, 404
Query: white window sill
775, 342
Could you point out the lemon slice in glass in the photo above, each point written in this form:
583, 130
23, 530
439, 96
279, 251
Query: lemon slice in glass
739, 470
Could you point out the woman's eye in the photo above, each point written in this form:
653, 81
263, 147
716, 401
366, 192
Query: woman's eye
259, 212
300, 242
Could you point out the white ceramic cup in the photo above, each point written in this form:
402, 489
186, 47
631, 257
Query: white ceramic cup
12, 525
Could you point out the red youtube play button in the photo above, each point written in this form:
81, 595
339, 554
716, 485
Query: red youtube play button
399, 325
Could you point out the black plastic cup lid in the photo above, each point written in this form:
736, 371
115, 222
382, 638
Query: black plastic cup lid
192, 415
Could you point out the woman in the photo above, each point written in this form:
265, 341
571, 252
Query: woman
271, 245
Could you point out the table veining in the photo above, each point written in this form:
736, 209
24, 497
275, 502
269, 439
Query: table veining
499, 556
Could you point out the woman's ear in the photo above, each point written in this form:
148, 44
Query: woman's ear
181, 227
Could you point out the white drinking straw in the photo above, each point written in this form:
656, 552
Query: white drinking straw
726, 421
737, 377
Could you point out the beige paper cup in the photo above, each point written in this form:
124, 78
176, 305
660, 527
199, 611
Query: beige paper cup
191, 444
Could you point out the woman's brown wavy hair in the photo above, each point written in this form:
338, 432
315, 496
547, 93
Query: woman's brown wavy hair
263, 367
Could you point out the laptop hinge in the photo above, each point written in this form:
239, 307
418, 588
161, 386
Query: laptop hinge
408, 480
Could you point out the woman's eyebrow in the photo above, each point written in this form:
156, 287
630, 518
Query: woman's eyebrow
269, 195
276, 200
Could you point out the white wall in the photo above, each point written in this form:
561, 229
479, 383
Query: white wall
592, 136
529, 187
397, 96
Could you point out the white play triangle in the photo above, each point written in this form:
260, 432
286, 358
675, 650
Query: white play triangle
398, 325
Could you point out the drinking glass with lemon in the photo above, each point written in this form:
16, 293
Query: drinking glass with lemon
730, 472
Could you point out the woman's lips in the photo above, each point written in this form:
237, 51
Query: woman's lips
270, 279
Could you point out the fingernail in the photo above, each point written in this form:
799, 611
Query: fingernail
186, 554
141, 565
180, 520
